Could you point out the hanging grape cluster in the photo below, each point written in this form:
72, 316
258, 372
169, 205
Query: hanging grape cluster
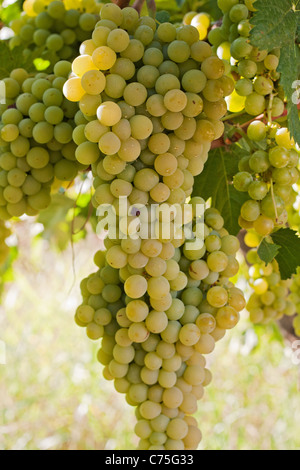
36, 140
148, 119
270, 299
56, 27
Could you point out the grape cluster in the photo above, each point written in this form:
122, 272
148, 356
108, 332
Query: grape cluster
56, 26
4, 249
270, 299
267, 176
257, 88
158, 322
148, 114
148, 117
35, 140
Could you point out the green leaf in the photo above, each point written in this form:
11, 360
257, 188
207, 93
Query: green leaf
289, 58
12, 59
267, 251
169, 5
215, 182
57, 211
288, 257
9, 60
276, 24
10, 12
211, 7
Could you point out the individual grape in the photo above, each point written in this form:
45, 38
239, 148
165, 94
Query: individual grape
279, 157
178, 51
258, 190
109, 113
194, 81
166, 82
73, 89
242, 181
255, 104
135, 94
250, 210
240, 48
257, 131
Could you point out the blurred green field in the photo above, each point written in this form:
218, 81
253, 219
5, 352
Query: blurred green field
53, 396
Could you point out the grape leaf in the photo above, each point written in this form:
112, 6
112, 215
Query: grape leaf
289, 58
288, 257
169, 5
12, 59
267, 251
215, 182
276, 24
10, 12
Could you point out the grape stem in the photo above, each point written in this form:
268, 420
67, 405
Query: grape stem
233, 115
273, 199
270, 108
121, 3
138, 5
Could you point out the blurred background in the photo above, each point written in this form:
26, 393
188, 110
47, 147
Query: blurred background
53, 395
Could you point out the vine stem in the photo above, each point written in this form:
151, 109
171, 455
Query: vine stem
121, 3
273, 199
233, 115
270, 108
138, 5
270, 121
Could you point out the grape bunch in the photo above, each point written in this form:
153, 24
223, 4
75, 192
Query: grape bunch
158, 322
4, 249
257, 88
148, 117
55, 26
271, 298
36, 143
150, 120
267, 176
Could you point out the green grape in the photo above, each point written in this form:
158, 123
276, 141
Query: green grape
242, 181
279, 157
259, 161
258, 190
255, 104
263, 85
134, 50
250, 210
238, 13
240, 48
178, 51
257, 131
226, 5
247, 68
272, 208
